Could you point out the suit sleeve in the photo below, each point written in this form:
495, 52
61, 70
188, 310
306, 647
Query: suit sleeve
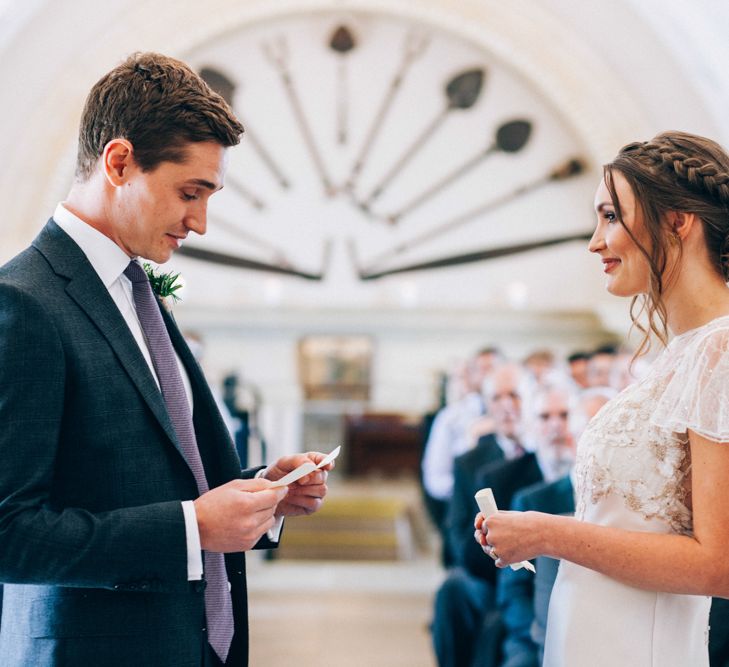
457, 517
515, 595
265, 542
133, 548
461, 514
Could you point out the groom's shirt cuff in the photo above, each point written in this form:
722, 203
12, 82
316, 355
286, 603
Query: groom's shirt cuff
273, 534
192, 534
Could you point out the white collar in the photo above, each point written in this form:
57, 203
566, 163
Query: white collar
511, 448
105, 256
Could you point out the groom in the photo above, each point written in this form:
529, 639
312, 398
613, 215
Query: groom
124, 513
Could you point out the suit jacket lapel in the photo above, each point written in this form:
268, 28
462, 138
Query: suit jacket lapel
86, 289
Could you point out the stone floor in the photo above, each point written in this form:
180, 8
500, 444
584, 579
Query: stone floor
344, 614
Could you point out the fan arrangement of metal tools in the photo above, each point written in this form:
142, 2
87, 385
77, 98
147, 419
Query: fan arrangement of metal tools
460, 93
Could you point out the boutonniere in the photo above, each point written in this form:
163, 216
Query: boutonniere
164, 285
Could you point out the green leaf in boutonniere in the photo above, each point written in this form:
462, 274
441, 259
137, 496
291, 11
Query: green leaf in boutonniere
164, 285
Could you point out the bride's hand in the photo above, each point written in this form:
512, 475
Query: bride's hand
510, 537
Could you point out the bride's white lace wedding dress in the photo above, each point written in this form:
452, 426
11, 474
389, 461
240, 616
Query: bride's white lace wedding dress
633, 471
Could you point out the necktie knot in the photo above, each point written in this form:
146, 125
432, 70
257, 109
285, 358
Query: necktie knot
136, 273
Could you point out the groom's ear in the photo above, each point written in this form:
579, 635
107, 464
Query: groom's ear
117, 161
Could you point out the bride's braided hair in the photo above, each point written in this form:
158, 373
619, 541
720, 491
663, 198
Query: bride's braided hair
674, 171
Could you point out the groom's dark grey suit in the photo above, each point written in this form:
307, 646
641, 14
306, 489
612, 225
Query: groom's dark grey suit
94, 551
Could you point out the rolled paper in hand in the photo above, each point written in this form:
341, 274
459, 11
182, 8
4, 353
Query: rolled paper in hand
487, 504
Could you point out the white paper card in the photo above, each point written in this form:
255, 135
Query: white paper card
305, 468
296, 474
487, 504
330, 457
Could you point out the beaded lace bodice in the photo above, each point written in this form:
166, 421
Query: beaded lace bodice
637, 445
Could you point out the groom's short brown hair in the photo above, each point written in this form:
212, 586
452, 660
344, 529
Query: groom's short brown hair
158, 104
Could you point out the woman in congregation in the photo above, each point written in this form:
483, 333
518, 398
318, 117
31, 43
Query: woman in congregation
647, 545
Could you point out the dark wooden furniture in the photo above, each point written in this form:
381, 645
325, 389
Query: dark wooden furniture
389, 444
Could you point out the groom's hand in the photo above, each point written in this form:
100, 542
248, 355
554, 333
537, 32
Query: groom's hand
305, 495
234, 516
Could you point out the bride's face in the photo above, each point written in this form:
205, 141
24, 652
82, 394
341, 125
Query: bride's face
626, 269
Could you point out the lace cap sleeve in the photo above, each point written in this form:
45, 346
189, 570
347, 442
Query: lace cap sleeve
696, 396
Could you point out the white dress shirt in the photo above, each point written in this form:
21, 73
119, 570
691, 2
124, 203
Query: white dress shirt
448, 439
512, 448
109, 262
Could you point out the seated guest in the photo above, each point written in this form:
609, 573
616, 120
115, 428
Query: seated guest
504, 393
626, 369
541, 365
523, 598
577, 364
719, 633
555, 453
543, 583
600, 366
450, 436
587, 405
515, 588
465, 598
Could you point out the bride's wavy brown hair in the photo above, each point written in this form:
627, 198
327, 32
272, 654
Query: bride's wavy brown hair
674, 171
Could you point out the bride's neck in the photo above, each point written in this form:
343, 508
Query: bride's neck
697, 296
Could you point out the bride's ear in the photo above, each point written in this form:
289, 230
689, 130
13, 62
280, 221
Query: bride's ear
680, 223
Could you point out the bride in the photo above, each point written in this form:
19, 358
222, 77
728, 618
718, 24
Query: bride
648, 543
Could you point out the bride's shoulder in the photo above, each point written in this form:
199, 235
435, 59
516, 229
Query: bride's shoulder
694, 390
706, 345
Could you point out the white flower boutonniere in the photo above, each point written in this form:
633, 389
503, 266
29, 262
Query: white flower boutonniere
165, 285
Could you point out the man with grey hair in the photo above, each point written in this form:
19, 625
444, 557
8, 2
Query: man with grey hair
559, 418
498, 461
552, 440
450, 435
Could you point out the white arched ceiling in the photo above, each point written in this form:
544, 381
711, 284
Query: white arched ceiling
609, 69
697, 33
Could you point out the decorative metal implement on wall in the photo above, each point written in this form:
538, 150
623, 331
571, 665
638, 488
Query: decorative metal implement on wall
342, 43
461, 92
391, 106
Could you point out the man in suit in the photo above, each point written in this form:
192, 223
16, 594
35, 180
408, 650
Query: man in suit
523, 597
450, 435
124, 513
498, 461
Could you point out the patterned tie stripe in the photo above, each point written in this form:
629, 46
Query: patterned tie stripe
218, 605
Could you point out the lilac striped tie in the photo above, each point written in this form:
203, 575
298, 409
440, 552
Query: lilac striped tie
218, 606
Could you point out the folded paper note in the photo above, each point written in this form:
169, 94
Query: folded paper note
487, 504
306, 468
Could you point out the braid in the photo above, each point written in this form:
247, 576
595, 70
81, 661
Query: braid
701, 176
674, 171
